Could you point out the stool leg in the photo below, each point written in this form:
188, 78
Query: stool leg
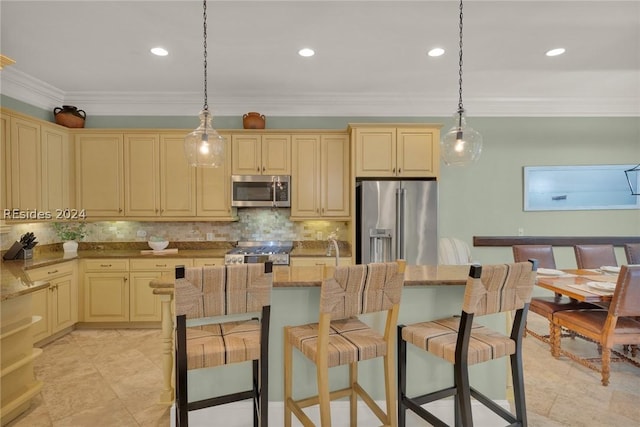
463, 393
402, 378
256, 393
324, 398
390, 390
353, 397
518, 388
288, 379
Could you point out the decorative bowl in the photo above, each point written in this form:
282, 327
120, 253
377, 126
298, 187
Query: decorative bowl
158, 245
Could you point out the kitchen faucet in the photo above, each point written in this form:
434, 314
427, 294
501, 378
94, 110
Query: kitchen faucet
335, 245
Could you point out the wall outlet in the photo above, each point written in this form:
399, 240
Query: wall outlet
520, 231
209, 236
141, 233
318, 235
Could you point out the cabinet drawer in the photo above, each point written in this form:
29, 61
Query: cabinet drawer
50, 272
108, 264
208, 262
159, 264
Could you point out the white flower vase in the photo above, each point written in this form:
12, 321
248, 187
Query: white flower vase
70, 246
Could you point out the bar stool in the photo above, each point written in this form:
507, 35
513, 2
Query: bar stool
231, 308
340, 338
459, 340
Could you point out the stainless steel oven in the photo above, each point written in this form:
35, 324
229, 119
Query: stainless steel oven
261, 191
258, 252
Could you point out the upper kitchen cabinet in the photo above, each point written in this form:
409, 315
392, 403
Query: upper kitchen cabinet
261, 154
406, 150
5, 156
213, 189
99, 174
320, 176
158, 182
38, 168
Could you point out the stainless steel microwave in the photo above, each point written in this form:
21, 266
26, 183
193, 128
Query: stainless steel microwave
261, 191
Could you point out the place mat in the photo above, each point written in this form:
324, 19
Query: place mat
585, 288
598, 278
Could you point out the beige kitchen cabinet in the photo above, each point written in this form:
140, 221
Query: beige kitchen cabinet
261, 154
410, 151
158, 182
208, 262
57, 173
105, 290
25, 146
99, 174
5, 156
315, 266
320, 176
144, 306
213, 189
57, 304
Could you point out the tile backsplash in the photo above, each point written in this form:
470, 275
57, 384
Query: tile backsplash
253, 224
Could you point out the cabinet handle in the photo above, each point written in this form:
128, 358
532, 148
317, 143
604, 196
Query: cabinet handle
399, 170
161, 265
51, 288
55, 287
105, 265
125, 278
120, 210
156, 210
393, 170
52, 272
264, 169
258, 169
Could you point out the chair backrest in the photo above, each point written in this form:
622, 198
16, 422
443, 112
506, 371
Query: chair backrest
362, 288
452, 251
222, 290
498, 288
626, 297
632, 251
543, 253
595, 256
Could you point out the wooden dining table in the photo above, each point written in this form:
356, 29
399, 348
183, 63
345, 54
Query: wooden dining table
574, 284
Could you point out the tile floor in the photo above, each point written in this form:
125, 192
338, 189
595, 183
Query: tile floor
112, 378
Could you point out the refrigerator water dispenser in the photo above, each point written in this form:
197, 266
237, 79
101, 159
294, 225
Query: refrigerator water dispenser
380, 245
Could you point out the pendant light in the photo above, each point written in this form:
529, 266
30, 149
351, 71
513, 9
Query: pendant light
461, 145
204, 147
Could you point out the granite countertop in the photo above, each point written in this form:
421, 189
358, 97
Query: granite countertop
14, 281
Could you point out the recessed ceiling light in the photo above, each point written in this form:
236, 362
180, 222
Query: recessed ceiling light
438, 51
555, 52
159, 51
306, 52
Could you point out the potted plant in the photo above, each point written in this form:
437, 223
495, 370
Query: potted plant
70, 233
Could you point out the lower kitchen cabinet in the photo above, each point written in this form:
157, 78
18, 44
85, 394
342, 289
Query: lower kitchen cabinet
144, 306
57, 304
105, 286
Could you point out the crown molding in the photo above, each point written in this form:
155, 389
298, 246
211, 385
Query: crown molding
40, 94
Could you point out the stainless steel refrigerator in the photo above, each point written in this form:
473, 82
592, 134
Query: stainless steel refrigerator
397, 220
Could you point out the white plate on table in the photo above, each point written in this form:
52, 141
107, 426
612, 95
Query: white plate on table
602, 286
610, 269
550, 272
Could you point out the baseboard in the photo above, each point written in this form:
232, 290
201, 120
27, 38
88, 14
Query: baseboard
239, 414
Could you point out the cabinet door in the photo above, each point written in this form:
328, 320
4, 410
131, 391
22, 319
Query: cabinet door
375, 150
41, 307
64, 302
214, 188
276, 155
26, 165
305, 186
246, 154
418, 152
99, 164
141, 175
5, 161
334, 176
106, 297
177, 178
56, 170
144, 305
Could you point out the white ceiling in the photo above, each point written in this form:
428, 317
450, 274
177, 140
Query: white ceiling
370, 57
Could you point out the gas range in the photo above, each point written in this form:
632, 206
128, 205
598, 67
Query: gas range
254, 252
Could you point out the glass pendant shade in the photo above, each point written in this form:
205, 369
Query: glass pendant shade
461, 145
204, 147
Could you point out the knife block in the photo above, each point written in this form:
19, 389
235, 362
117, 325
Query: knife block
25, 254
15, 252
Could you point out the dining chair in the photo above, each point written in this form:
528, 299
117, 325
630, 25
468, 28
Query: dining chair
606, 328
594, 256
453, 251
341, 338
463, 342
228, 308
546, 305
632, 251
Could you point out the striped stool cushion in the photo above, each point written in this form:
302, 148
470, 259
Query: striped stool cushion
439, 338
223, 343
350, 340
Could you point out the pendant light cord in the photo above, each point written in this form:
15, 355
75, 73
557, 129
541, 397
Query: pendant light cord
204, 34
460, 107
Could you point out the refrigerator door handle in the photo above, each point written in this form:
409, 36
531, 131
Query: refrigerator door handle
400, 196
